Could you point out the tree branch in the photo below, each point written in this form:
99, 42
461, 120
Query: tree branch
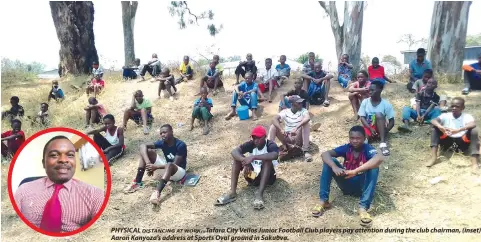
191, 14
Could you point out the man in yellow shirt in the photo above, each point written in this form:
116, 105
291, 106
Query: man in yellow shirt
186, 70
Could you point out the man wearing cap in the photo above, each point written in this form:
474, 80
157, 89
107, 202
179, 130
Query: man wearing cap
258, 166
472, 76
295, 133
417, 67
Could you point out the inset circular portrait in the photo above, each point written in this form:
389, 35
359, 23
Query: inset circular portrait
59, 182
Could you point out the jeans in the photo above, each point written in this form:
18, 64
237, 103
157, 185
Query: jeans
129, 74
472, 81
201, 113
251, 103
362, 185
411, 113
343, 81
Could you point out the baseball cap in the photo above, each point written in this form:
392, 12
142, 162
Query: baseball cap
295, 99
259, 132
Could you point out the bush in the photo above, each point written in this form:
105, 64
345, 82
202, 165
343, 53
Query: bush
304, 57
16, 71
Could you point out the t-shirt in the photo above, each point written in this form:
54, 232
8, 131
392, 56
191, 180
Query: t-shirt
376, 72
449, 121
249, 146
144, 105
183, 68
419, 85
367, 84
368, 111
350, 162
58, 92
283, 70
209, 102
303, 94
307, 67
179, 149
219, 67
250, 66
343, 69
418, 68
292, 120
98, 82
17, 110
212, 72
427, 99
14, 143
244, 87
268, 75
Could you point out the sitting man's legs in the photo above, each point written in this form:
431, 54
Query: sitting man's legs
469, 144
92, 116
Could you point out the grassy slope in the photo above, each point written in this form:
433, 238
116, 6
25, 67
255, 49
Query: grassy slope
404, 198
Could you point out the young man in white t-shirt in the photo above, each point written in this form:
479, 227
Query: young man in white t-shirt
457, 128
377, 116
268, 79
295, 133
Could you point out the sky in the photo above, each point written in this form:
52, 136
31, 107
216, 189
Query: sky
263, 28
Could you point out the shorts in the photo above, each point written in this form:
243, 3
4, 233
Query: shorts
264, 87
137, 118
257, 181
179, 175
368, 131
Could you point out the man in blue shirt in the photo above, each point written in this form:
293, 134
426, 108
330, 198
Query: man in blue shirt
357, 176
174, 165
246, 94
472, 76
317, 83
417, 67
283, 69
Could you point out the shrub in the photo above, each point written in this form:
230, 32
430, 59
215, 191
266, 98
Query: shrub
16, 71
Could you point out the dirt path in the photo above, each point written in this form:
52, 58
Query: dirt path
404, 198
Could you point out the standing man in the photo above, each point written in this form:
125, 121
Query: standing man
175, 152
258, 167
58, 202
417, 68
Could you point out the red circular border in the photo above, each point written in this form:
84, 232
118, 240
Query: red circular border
106, 165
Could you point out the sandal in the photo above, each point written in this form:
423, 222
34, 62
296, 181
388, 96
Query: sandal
307, 157
225, 199
465, 91
384, 149
318, 211
366, 219
326, 103
258, 204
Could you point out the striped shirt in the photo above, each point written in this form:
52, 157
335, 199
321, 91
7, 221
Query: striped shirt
292, 120
80, 201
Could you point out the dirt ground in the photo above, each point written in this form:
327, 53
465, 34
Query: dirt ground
404, 197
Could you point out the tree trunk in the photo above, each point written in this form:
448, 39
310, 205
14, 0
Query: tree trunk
448, 36
129, 10
74, 23
348, 36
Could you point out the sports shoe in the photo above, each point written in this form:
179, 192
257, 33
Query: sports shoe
134, 187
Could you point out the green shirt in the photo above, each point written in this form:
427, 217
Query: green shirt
144, 105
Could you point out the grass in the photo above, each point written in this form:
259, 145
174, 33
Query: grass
404, 198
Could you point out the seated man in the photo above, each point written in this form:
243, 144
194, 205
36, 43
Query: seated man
268, 79
140, 111
284, 103
202, 107
186, 71
357, 176
427, 102
212, 79
152, 67
14, 139
259, 166
246, 94
59, 203
283, 70
419, 86
42, 117
96, 86
472, 76
376, 71
417, 68
132, 71
174, 167
344, 70
249, 65
358, 91
94, 112
166, 82
308, 66
295, 133
15, 111
317, 84
97, 70
56, 92
377, 116
112, 143
457, 128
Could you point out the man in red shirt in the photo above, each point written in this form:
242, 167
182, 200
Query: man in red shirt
376, 71
14, 139
96, 85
